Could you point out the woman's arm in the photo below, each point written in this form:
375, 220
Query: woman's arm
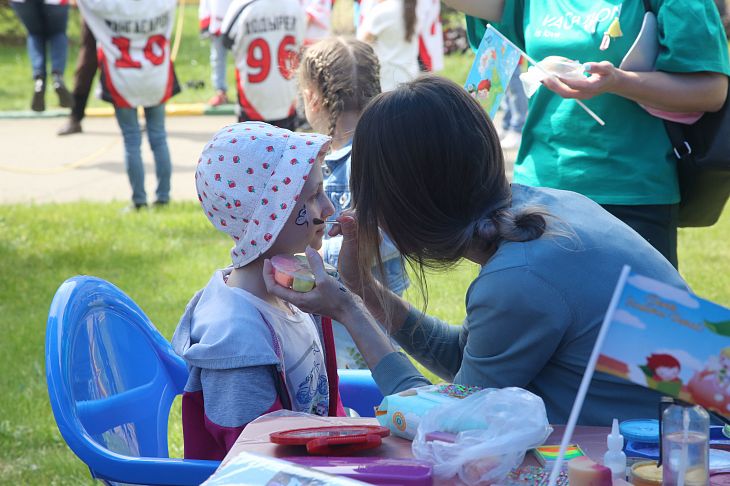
679, 92
329, 297
484, 9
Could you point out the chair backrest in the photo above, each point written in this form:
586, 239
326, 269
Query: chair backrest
359, 391
111, 379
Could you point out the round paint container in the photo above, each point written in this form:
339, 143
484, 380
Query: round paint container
292, 271
646, 473
642, 438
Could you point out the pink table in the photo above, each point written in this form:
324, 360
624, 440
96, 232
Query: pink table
255, 438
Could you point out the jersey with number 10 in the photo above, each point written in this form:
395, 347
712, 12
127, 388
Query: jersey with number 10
265, 37
133, 45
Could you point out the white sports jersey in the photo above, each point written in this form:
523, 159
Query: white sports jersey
265, 37
133, 45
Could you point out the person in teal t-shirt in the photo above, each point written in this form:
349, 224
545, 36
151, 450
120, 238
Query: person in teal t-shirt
627, 165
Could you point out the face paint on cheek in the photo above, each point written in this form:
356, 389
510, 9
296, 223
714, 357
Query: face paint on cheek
302, 217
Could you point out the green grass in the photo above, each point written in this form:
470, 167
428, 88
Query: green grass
160, 258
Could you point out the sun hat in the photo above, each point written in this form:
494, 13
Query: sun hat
249, 178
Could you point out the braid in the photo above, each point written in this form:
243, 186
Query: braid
345, 72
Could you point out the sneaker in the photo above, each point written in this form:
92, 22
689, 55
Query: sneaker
133, 208
160, 204
64, 96
39, 95
72, 126
220, 98
511, 140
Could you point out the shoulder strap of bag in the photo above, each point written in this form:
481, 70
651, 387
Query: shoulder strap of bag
679, 142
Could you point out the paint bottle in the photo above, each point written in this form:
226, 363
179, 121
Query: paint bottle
614, 458
685, 445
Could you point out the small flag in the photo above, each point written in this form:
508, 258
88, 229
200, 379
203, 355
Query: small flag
495, 63
680, 343
679, 346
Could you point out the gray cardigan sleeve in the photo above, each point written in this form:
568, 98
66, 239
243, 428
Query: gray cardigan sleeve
515, 321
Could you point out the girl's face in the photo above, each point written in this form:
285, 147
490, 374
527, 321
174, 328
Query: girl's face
315, 113
300, 231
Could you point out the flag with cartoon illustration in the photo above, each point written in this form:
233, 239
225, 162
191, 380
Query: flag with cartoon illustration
679, 343
495, 63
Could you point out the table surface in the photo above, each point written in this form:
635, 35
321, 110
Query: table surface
255, 438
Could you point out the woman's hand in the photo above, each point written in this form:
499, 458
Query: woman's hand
677, 92
329, 297
348, 262
604, 78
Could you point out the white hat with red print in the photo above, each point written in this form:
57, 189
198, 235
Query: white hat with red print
249, 178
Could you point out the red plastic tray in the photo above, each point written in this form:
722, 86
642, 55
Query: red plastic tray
333, 441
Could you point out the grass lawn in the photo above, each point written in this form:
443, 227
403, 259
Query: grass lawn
160, 258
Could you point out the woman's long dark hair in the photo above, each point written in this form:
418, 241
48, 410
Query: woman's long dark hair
427, 167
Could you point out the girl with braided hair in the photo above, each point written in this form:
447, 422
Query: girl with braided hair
391, 27
337, 78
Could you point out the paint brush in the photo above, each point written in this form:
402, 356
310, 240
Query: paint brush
321, 221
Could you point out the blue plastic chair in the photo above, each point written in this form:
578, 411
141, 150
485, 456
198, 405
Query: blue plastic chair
359, 392
112, 378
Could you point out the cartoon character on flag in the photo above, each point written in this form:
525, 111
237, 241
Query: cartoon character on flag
494, 65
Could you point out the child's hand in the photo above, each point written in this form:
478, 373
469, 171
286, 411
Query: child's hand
328, 298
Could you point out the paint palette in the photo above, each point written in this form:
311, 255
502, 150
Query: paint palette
293, 272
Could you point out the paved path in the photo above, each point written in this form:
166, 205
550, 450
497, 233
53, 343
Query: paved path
38, 166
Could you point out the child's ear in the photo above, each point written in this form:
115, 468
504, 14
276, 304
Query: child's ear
311, 99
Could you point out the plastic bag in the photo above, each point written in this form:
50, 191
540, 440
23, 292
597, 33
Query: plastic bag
556, 65
482, 437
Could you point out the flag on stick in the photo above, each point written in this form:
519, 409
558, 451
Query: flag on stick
664, 338
495, 63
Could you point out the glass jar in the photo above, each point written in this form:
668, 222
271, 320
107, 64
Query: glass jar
685, 445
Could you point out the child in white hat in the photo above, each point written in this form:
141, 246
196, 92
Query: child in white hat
248, 351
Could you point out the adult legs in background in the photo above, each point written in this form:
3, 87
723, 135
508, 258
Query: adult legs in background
29, 13
515, 103
55, 21
656, 223
86, 66
157, 136
128, 123
218, 55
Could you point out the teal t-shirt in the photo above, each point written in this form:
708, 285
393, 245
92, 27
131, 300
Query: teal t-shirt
628, 161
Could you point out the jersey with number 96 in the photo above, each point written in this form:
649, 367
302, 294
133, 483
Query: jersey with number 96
265, 37
133, 45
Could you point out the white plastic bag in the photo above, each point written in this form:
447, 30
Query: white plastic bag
555, 65
482, 437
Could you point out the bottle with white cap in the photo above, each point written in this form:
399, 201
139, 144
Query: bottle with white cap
615, 459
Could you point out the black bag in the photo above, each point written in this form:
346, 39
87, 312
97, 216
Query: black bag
703, 163
703, 166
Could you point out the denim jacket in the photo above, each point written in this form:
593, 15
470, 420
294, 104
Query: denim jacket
336, 172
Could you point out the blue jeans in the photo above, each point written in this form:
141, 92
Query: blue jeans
155, 118
45, 24
218, 55
514, 104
